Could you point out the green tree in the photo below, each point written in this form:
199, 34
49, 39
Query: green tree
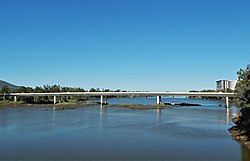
39, 90
92, 90
5, 90
242, 121
47, 88
55, 88
243, 87
24, 90
118, 90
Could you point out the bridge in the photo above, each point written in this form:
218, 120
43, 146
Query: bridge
103, 95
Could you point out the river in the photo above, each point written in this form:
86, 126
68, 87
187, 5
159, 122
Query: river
115, 133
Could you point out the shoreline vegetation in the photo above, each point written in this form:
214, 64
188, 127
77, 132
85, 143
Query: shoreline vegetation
74, 104
150, 106
241, 131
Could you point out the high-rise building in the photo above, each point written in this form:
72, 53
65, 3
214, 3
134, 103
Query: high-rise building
225, 84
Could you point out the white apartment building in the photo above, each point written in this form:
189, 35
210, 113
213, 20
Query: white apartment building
225, 84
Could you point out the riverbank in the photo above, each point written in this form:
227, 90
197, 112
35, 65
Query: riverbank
241, 131
4, 104
75, 104
150, 106
11, 104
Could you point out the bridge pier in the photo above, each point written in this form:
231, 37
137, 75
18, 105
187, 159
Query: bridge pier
158, 100
54, 100
227, 102
36, 98
103, 100
15, 98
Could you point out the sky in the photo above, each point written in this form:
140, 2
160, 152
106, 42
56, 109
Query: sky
149, 45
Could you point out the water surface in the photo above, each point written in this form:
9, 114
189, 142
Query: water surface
113, 133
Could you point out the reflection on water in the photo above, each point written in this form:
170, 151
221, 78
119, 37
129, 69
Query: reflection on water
245, 154
234, 111
227, 115
103, 112
113, 133
231, 113
158, 115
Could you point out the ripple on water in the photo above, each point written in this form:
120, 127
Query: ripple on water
176, 130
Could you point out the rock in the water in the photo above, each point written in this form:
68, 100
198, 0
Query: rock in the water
167, 104
186, 104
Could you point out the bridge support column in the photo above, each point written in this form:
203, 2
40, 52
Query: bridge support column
158, 100
15, 98
54, 100
227, 102
103, 100
60, 99
36, 98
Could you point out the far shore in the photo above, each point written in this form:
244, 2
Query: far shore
75, 104
24, 104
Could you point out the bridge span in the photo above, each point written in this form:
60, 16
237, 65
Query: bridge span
103, 95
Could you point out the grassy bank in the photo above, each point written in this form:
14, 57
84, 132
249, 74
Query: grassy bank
71, 103
6, 103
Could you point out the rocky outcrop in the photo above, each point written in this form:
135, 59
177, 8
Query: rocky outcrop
182, 104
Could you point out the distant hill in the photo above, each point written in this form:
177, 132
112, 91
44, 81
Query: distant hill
3, 83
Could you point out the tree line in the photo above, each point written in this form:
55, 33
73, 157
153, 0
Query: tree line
52, 89
243, 88
242, 121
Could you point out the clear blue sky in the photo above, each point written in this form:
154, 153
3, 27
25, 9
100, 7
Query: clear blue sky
156, 45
